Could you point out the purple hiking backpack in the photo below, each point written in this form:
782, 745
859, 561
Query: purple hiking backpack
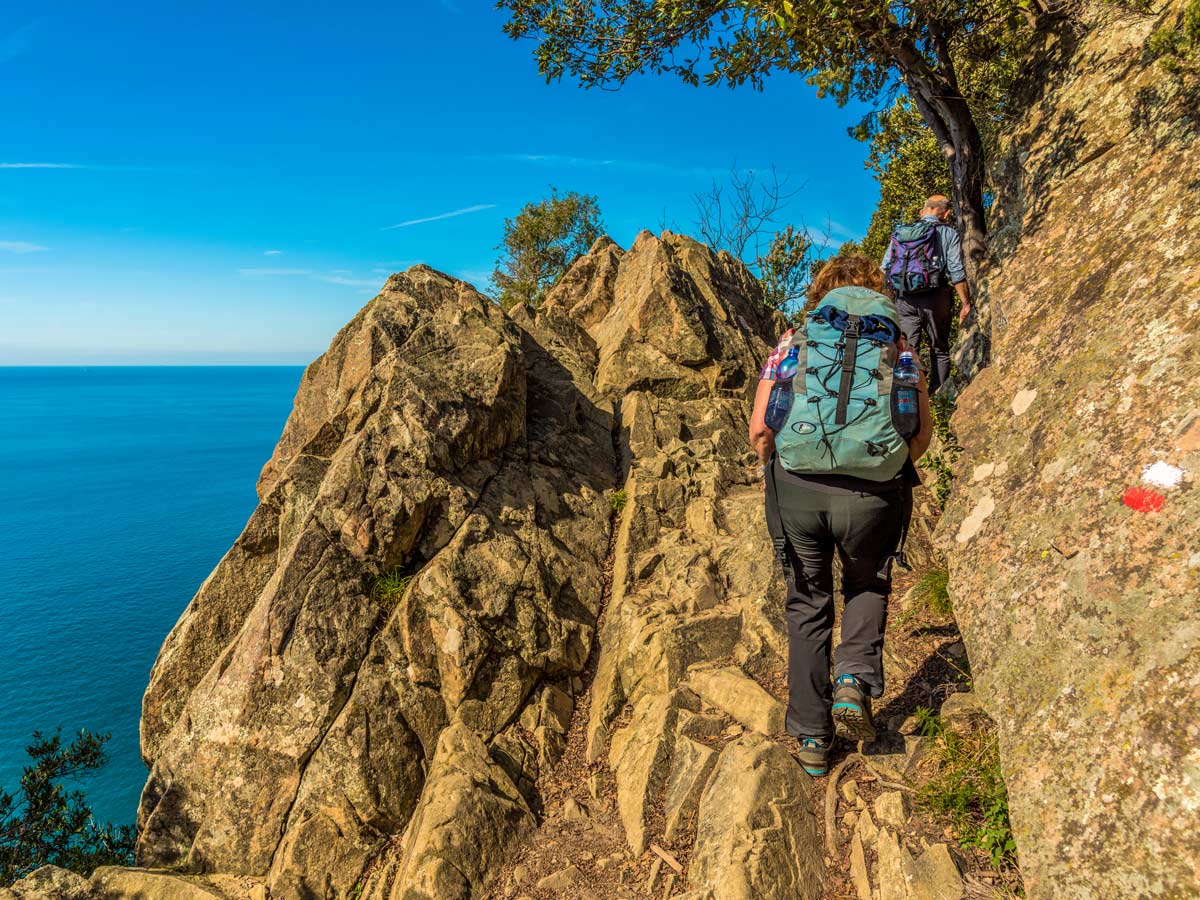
916, 261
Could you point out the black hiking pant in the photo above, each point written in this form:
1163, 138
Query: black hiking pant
929, 315
820, 517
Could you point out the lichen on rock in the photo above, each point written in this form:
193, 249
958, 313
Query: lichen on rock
1078, 610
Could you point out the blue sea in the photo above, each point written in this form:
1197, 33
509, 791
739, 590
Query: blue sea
120, 489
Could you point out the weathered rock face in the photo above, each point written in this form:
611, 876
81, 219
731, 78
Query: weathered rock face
1079, 610
694, 585
293, 712
758, 833
361, 697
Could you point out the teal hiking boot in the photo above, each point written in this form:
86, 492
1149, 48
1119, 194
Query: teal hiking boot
814, 755
852, 710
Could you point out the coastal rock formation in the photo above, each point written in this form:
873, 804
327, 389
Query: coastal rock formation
1072, 532
362, 696
428, 550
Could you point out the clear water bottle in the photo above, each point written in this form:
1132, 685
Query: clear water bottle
780, 402
906, 414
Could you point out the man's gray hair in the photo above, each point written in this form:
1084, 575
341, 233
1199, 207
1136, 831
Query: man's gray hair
938, 204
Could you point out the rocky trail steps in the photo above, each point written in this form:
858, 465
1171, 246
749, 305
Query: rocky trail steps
886, 848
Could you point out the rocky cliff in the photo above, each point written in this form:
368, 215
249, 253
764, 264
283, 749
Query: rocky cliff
361, 698
1072, 535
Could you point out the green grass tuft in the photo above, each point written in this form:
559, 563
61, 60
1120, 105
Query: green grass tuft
390, 586
617, 500
968, 788
933, 592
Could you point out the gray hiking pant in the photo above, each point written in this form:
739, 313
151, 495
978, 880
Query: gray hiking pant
929, 315
863, 528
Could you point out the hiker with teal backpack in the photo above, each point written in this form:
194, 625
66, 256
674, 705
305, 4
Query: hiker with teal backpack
924, 267
840, 416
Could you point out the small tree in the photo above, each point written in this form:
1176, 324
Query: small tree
541, 243
734, 216
737, 217
44, 823
785, 270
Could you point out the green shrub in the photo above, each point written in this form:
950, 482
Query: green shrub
1177, 47
45, 823
968, 787
617, 500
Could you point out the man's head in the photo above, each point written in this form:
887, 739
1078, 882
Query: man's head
937, 205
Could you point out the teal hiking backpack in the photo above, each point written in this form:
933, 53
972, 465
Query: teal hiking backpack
839, 420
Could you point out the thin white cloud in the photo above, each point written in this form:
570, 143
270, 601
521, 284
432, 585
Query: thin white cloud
336, 276
255, 271
479, 207
833, 227
17, 41
620, 165
21, 247
272, 253
553, 159
40, 165
353, 282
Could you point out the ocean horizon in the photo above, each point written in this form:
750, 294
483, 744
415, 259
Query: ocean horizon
121, 487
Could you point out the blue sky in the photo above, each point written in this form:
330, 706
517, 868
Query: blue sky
223, 182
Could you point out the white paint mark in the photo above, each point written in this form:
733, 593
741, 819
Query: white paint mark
1022, 401
1163, 475
971, 524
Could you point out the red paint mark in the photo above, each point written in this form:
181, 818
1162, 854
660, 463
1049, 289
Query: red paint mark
1143, 500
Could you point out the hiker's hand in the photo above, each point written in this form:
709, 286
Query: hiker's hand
962, 316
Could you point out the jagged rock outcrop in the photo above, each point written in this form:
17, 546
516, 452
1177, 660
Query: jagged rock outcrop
1072, 531
294, 714
361, 697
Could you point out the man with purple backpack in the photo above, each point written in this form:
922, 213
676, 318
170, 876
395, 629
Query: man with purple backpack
922, 261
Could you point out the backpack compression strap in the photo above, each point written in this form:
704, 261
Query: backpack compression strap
849, 358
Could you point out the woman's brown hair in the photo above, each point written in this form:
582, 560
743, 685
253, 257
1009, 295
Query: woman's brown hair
845, 271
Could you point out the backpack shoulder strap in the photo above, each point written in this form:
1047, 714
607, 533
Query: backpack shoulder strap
849, 358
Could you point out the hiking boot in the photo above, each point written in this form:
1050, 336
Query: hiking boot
852, 710
814, 755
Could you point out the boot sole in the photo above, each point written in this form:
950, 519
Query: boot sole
850, 723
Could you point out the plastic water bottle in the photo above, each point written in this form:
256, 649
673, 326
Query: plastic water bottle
780, 402
790, 364
906, 413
